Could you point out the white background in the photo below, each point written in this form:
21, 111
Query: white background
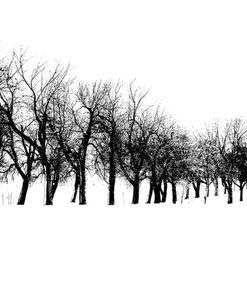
192, 55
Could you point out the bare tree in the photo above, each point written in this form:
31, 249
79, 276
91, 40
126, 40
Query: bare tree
131, 149
78, 129
158, 157
110, 127
225, 162
27, 98
178, 163
238, 141
203, 163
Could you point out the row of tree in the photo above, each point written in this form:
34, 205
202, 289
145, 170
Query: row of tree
54, 127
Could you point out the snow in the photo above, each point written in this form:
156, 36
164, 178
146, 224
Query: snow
166, 252
97, 194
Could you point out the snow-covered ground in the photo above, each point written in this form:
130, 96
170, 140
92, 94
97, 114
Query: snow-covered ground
184, 252
97, 194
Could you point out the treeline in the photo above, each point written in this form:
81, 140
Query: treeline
54, 127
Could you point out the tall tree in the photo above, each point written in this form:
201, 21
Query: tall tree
78, 129
27, 97
110, 133
159, 157
219, 135
136, 133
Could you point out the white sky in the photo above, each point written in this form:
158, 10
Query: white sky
192, 54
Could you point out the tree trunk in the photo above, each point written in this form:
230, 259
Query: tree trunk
187, 195
52, 179
150, 191
76, 185
49, 193
207, 189
157, 194
156, 186
49, 190
197, 193
196, 187
241, 188
230, 198
216, 187
164, 195
174, 192
23, 193
223, 181
136, 190
112, 176
206, 192
54, 186
82, 182
82, 188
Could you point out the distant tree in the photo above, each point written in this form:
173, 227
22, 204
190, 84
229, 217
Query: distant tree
159, 157
226, 165
204, 163
238, 142
193, 173
178, 160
